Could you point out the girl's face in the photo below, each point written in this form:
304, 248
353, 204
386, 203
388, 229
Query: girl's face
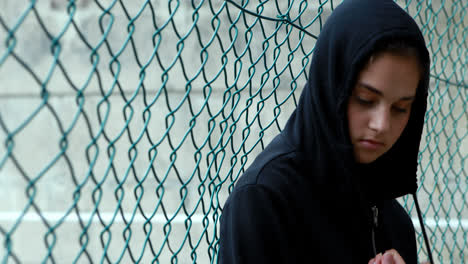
380, 104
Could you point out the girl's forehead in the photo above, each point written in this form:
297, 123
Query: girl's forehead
390, 75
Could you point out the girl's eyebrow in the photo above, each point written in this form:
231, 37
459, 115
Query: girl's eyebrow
380, 93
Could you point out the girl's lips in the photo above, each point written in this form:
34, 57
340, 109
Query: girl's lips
370, 144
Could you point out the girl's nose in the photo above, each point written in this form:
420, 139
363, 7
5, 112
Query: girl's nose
380, 120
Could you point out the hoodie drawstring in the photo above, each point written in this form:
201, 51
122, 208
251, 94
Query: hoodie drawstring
418, 210
375, 221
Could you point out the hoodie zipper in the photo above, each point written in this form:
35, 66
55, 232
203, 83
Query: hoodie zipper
375, 222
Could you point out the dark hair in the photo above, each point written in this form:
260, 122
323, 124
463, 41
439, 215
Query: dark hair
400, 47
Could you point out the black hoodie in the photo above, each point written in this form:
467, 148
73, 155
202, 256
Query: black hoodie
304, 199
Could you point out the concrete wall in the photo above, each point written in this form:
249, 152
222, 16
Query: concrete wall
105, 122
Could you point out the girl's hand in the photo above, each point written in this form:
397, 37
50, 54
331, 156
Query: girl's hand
389, 257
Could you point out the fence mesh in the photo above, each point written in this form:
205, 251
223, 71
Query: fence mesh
125, 124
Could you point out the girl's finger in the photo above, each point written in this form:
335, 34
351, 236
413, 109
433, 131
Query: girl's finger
378, 259
388, 258
393, 256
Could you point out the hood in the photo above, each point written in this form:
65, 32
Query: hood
318, 127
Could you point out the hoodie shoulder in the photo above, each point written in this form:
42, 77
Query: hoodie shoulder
274, 168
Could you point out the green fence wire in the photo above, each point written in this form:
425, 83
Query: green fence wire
125, 124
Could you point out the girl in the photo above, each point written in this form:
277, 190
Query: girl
323, 191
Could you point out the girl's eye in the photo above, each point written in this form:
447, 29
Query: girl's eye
363, 101
400, 109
